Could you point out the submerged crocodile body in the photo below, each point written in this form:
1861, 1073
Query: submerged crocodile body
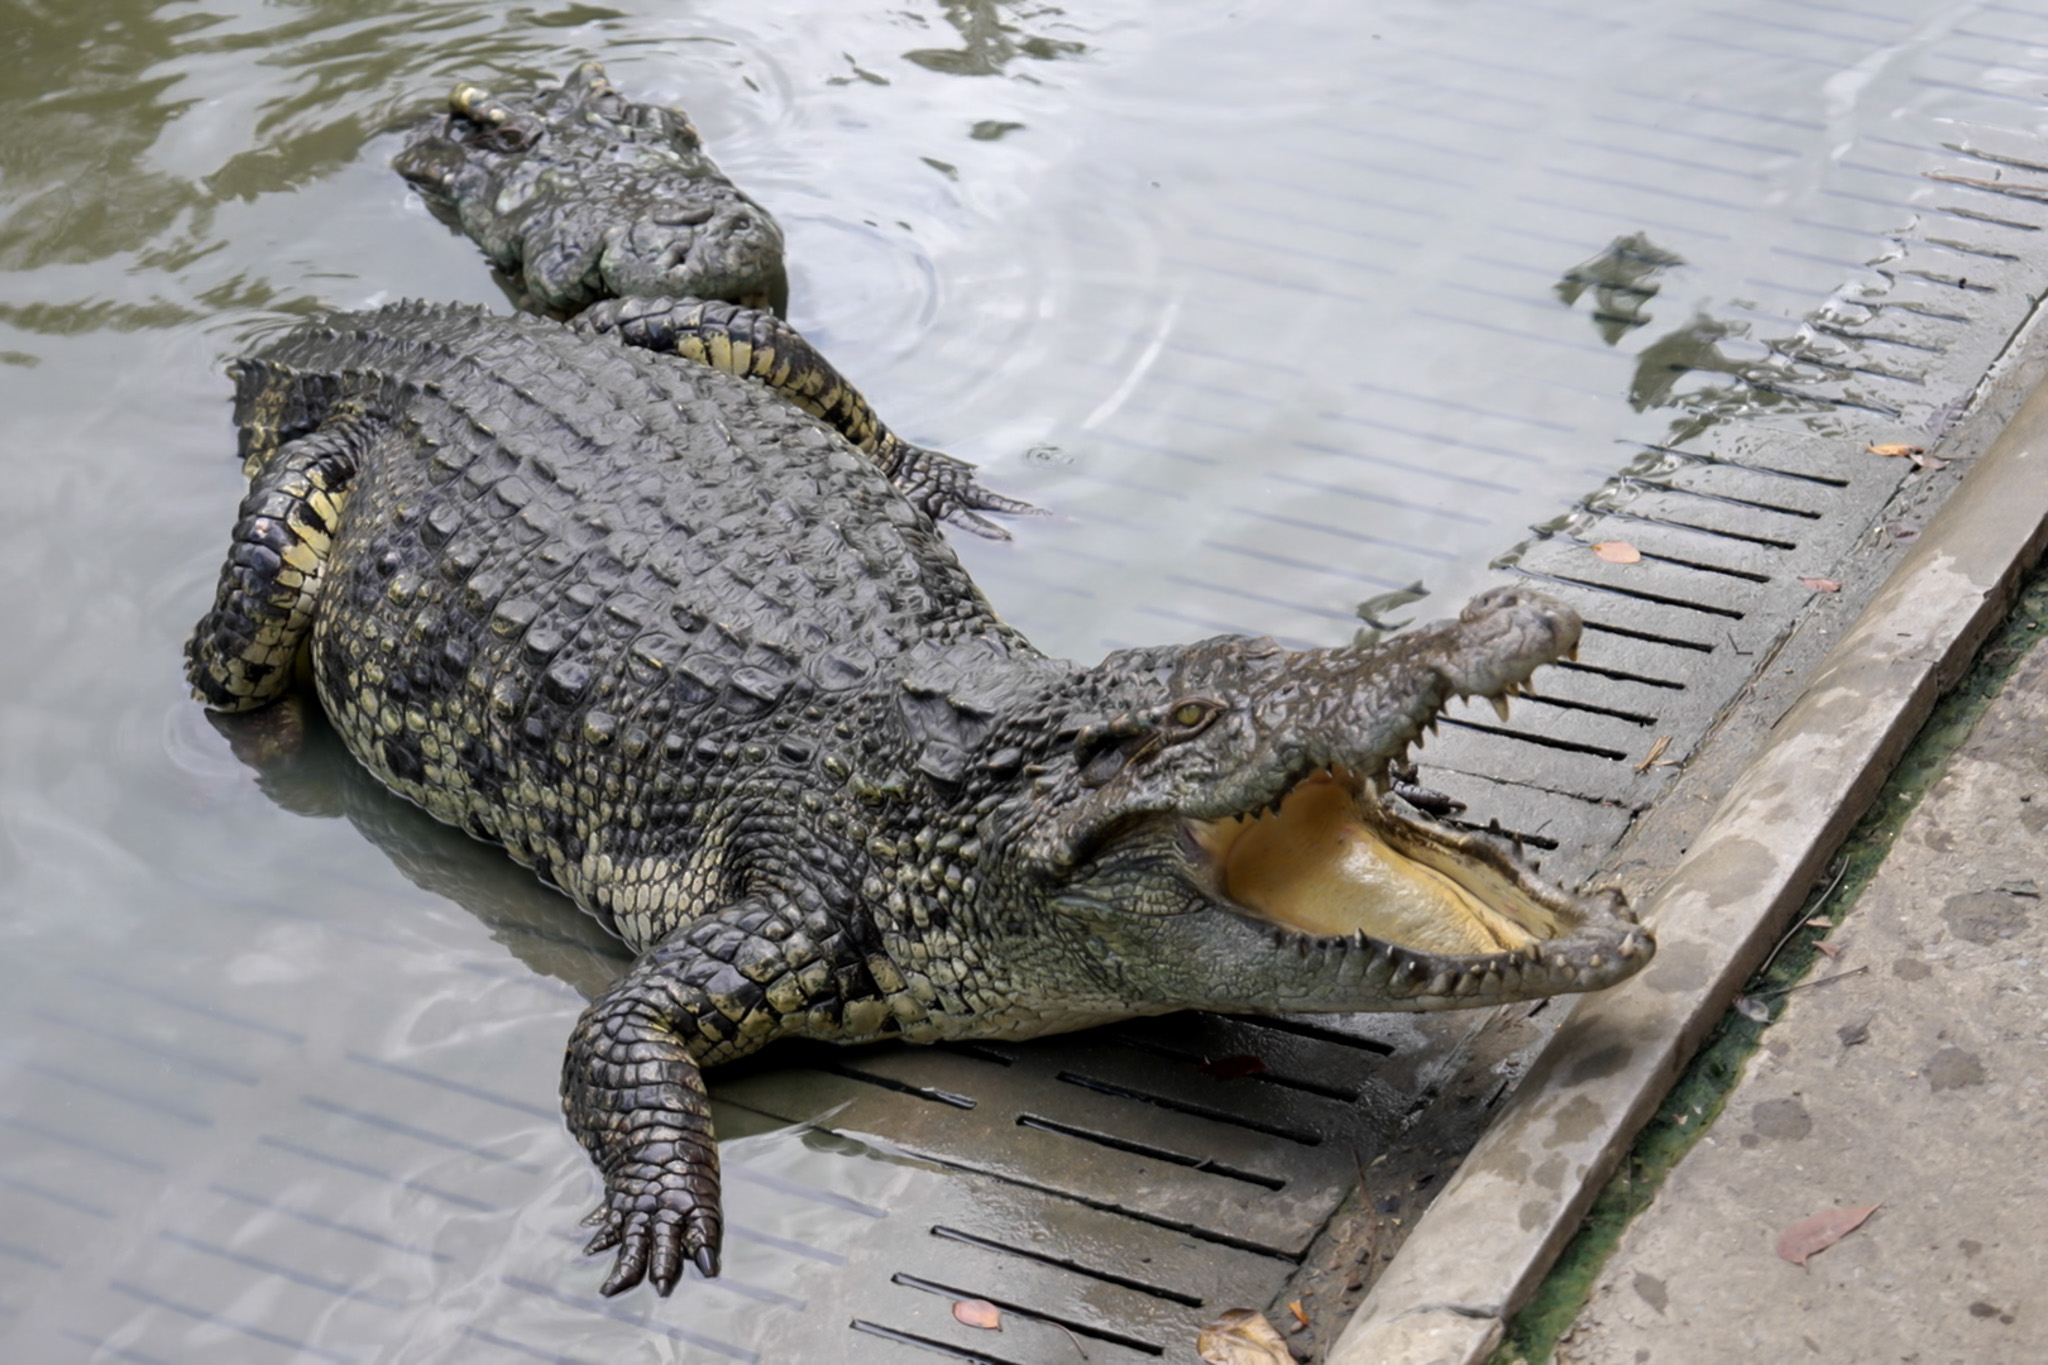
688, 651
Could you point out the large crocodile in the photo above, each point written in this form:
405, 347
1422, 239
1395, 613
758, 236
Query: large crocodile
682, 648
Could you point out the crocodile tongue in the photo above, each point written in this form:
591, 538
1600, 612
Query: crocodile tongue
1331, 863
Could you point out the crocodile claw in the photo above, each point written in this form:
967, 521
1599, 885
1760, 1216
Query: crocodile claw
944, 488
654, 1237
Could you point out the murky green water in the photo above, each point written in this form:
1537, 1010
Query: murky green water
1259, 300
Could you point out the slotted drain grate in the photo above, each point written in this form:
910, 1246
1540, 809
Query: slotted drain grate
1129, 1157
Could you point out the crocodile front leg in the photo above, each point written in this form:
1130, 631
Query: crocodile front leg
241, 653
713, 990
753, 343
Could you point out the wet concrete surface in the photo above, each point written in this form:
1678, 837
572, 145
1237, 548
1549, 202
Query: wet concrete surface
1908, 1074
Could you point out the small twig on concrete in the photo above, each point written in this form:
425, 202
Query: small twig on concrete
1841, 871
1821, 981
1070, 1337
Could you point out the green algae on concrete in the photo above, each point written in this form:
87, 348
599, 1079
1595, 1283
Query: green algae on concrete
1697, 1098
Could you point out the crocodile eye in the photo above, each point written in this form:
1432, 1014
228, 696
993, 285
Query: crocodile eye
1189, 713
1193, 714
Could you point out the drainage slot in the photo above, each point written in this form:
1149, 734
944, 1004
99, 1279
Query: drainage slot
1303, 1136
1995, 158
1830, 400
1746, 504
1186, 1300
1694, 457
1175, 1225
981, 1052
1957, 281
1842, 369
923, 1092
1318, 1032
1631, 717
1976, 216
1966, 249
937, 1348
1649, 637
1618, 674
1569, 746
1621, 514
1079, 1329
1729, 613
1146, 1149
1877, 339
1693, 564
1199, 1058
1921, 310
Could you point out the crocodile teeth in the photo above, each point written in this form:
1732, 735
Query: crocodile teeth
1500, 708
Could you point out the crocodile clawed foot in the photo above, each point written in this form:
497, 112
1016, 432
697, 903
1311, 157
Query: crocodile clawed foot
944, 488
655, 1233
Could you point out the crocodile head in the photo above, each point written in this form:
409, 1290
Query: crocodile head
581, 194
1233, 842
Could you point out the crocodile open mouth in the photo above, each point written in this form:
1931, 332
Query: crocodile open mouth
1335, 858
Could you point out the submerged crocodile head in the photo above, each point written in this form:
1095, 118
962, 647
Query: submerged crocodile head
1234, 844
582, 194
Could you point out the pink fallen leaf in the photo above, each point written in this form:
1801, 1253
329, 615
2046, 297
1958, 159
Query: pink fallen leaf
1817, 1232
1822, 584
1242, 1336
978, 1313
1230, 1068
1618, 552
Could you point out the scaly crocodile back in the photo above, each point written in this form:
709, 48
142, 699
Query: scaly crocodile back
590, 602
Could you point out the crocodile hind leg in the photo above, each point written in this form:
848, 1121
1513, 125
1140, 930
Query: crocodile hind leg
755, 344
715, 989
241, 653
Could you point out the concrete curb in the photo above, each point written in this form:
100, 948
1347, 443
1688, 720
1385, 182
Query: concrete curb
1488, 1239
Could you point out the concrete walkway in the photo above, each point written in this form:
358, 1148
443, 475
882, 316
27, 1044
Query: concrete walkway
1918, 1082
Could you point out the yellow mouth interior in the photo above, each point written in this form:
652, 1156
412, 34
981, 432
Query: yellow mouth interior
1324, 865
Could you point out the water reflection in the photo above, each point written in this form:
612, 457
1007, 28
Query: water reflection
74, 155
1623, 278
301, 764
992, 36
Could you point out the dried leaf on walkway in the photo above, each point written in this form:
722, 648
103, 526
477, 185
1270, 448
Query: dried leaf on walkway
1656, 752
1618, 552
1821, 584
1828, 950
1242, 1336
1300, 1316
1897, 449
1230, 1068
1817, 1232
978, 1313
